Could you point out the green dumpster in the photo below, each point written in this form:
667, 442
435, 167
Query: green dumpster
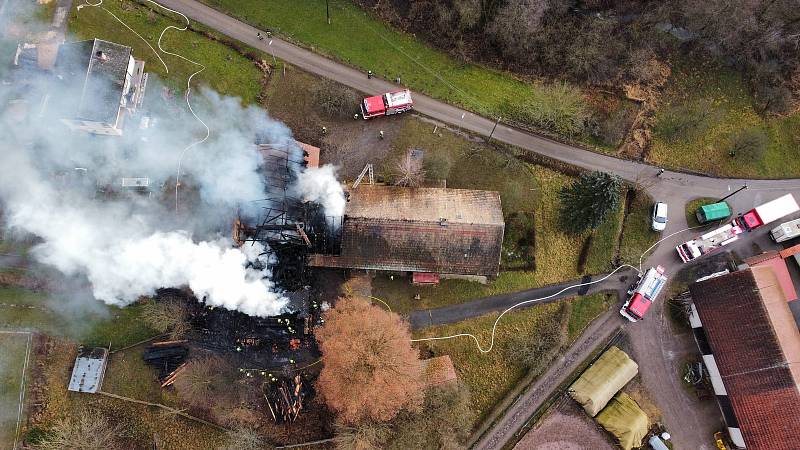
714, 211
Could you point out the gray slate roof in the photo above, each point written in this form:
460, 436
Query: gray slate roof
93, 86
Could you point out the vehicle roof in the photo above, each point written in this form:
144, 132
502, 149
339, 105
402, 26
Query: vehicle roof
374, 104
397, 98
777, 208
716, 211
639, 304
661, 209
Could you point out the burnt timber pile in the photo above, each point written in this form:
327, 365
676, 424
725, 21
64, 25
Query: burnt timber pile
168, 357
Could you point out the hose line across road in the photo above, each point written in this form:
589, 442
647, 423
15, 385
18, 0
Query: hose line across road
654, 344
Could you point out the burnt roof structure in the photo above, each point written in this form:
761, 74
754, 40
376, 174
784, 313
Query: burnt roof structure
756, 346
448, 231
96, 71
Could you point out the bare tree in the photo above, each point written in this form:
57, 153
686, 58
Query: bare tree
409, 172
203, 381
370, 371
245, 439
167, 316
84, 430
369, 436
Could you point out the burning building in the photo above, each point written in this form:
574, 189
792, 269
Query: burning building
426, 231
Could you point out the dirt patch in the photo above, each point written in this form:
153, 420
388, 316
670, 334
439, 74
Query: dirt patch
566, 427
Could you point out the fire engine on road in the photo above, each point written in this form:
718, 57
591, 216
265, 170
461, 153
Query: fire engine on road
644, 294
390, 103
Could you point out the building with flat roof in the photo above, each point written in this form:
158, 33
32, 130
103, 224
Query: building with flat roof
89, 370
751, 347
431, 230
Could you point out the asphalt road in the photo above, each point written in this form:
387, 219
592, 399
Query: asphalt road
619, 282
654, 343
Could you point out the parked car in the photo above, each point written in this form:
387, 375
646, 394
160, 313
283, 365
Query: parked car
659, 216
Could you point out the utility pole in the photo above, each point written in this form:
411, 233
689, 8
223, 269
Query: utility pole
274, 62
734, 192
494, 128
328, 11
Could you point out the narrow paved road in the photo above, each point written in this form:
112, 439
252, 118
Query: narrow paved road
504, 429
653, 341
619, 282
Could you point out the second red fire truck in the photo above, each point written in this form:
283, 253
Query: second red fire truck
644, 294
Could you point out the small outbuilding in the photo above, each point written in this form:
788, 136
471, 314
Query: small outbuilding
89, 370
604, 378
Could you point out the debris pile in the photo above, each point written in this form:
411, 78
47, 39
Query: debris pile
285, 399
168, 357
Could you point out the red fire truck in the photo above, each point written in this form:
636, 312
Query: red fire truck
755, 218
644, 294
394, 102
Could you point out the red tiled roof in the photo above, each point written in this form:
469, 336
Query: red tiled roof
438, 370
756, 345
773, 259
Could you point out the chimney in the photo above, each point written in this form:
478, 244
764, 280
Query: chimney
101, 56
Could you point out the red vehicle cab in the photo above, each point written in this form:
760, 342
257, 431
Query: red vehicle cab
643, 295
394, 102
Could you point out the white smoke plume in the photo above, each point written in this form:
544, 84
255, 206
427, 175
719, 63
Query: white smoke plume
126, 246
319, 185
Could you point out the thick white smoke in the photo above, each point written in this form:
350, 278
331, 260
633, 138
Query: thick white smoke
127, 246
319, 185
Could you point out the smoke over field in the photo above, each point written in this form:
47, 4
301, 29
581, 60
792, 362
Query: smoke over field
127, 245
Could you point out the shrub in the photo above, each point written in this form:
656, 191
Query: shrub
335, 100
87, 430
559, 108
167, 316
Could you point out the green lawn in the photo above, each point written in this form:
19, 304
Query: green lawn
694, 205
638, 235
13, 348
584, 310
704, 108
118, 326
358, 39
490, 375
227, 71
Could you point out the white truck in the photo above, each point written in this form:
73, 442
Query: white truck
755, 218
785, 231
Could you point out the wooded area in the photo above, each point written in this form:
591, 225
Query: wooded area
604, 42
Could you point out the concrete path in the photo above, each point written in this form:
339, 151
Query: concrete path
619, 282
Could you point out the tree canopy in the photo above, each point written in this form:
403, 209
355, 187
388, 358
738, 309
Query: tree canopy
370, 371
587, 202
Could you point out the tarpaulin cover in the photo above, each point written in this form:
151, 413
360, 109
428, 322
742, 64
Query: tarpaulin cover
625, 420
597, 384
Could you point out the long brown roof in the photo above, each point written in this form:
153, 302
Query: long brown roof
425, 204
451, 231
756, 345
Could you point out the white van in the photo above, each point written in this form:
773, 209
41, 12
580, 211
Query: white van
785, 231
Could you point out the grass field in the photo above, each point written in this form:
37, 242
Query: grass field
13, 348
703, 110
126, 375
100, 325
358, 39
584, 310
490, 375
227, 71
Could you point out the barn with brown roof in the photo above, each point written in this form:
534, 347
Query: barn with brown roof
751, 347
432, 230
